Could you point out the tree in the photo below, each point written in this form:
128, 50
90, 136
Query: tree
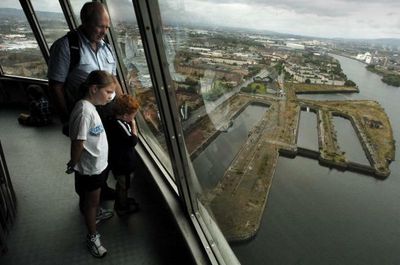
349, 83
246, 89
391, 79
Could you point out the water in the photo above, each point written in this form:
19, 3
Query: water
349, 142
308, 131
315, 215
211, 164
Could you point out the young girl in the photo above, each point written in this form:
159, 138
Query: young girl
122, 138
89, 150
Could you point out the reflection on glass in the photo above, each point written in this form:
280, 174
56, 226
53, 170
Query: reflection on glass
237, 74
51, 19
19, 52
138, 78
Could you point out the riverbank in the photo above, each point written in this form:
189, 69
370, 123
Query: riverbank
391, 78
388, 77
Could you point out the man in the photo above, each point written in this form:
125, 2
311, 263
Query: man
94, 54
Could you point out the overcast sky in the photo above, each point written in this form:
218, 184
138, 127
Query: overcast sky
321, 18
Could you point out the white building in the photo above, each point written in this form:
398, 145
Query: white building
366, 57
295, 46
198, 49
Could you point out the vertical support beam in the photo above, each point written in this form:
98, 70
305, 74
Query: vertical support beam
153, 54
6, 175
7, 202
37, 31
68, 14
149, 22
112, 39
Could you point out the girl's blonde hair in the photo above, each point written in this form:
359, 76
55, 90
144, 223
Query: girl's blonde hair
98, 78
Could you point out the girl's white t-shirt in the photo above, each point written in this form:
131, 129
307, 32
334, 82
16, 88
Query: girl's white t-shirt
85, 124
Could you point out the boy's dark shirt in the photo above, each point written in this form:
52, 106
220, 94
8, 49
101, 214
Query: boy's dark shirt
122, 156
39, 110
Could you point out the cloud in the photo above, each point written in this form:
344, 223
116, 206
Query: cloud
52, 6
322, 8
335, 18
320, 18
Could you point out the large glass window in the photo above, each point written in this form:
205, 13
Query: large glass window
51, 19
19, 52
138, 78
76, 6
287, 112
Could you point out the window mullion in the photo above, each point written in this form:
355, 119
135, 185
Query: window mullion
37, 31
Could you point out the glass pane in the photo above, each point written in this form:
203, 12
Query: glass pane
300, 94
51, 19
19, 52
138, 78
76, 6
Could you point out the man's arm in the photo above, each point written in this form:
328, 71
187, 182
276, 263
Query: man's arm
57, 92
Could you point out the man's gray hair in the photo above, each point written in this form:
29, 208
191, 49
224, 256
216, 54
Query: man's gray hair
91, 11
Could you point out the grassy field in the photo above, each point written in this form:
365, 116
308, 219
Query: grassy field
319, 88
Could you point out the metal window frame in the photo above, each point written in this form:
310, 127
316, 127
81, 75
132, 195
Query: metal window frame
35, 26
6, 186
164, 100
9, 203
68, 14
112, 39
159, 87
184, 224
150, 25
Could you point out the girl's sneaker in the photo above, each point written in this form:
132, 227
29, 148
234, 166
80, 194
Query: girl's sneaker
103, 214
94, 245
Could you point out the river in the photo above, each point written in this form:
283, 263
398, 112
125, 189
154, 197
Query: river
317, 215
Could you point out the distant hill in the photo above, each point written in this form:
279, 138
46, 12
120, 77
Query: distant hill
11, 12
7, 13
386, 41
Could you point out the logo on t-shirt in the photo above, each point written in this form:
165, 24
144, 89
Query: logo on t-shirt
96, 130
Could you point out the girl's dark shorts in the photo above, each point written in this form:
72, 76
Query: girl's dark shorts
89, 182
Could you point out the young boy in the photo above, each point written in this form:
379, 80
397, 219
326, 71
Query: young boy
122, 138
39, 110
89, 150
